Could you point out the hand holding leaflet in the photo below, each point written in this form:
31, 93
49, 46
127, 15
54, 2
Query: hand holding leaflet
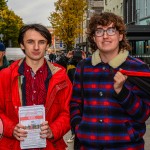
32, 117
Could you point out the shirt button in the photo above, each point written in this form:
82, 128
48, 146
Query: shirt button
34, 91
104, 68
100, 93
100, 120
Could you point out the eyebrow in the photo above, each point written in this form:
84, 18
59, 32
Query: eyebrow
34, 40
106, 29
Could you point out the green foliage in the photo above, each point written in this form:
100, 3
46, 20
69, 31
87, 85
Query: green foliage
67, 20
10, 24
3, 4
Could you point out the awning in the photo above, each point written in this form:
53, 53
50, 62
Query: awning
138, 32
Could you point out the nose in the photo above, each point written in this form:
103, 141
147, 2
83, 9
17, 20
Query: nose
105, 34
36, 45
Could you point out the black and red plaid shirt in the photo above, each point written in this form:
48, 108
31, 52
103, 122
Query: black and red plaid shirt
35, 85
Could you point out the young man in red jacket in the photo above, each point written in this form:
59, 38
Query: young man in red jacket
34, 81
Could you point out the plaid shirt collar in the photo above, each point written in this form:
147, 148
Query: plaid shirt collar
115, 62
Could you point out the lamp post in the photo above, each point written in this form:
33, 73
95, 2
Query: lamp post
1, 20
1, 37
89, 12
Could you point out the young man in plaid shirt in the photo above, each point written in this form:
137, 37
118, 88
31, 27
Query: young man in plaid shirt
111, 113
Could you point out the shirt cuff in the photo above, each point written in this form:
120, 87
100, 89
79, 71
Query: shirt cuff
122, 95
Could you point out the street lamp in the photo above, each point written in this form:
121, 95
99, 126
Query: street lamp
1, 37
1, 20
89, 12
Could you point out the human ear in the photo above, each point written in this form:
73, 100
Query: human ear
120, 37
47, 47
94, 38
22, 46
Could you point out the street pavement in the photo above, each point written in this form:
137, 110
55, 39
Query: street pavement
146, 137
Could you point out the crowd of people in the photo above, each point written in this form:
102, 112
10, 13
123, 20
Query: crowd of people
89, 95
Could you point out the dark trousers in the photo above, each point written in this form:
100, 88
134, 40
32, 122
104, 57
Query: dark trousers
77, 144
139, 145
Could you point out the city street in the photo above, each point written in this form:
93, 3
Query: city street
146, 138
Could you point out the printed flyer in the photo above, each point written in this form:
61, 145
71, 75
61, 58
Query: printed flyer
32, 117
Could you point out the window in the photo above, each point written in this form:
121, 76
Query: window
146, 8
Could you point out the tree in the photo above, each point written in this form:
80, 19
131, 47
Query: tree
10, 24
67, 20
2, 4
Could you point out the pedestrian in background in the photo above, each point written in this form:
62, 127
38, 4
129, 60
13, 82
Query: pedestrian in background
34, 81
3, 64
52, 57
112, 111
3, 60
75, 57
69, 62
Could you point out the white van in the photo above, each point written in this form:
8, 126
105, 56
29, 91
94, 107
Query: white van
14, 53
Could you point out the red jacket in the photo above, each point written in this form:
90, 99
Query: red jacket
57, 106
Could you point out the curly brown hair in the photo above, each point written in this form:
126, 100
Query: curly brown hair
105, 19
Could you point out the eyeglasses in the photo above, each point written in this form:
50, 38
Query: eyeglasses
110, 31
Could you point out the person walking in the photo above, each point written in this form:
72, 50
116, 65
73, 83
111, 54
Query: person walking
34, 81
3, 64
52, 57
71, 67
3, 60
107, 111
69, 62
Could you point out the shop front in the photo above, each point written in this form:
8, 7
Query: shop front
139, 38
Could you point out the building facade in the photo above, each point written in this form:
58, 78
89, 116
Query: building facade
136, 15
115, 6
137, 18
93, 6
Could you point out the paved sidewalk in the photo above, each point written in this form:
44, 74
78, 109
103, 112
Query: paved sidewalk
66, 137
146, 138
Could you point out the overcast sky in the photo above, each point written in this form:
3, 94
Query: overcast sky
33, 11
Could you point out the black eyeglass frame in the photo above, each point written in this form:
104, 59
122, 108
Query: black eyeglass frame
107, 31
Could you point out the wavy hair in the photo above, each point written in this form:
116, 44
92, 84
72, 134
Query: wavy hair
105, 19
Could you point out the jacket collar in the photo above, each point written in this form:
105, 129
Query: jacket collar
115, 62
52, 68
